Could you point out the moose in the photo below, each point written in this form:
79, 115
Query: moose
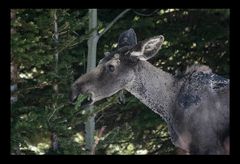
194, 105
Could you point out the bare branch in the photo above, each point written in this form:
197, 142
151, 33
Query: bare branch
146, 15
114, 21
99, 135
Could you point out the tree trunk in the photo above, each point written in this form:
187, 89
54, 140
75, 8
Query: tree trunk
14, 70
54, 137
91, 63
56, 35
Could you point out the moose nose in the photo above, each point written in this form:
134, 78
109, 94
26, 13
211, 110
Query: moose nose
71, 98
73, 94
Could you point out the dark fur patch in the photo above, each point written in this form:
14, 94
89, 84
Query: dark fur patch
186, 100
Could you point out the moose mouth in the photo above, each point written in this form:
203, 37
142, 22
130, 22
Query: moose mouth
87, 101
83, 99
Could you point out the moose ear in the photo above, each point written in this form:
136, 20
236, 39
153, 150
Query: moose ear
148, 48
127, 38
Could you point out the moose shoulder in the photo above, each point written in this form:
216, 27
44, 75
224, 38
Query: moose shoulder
195, 106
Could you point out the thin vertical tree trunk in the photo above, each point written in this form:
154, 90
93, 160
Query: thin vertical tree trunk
91, 63
54, 138
14, 70
56, 37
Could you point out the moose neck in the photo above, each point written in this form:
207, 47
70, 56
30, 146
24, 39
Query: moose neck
153, 87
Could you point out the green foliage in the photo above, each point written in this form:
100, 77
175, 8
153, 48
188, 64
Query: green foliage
191, 36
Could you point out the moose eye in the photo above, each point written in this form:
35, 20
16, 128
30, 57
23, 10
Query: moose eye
111, 68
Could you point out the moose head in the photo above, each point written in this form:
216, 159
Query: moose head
117, 69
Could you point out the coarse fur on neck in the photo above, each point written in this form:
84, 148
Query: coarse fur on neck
153, 87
